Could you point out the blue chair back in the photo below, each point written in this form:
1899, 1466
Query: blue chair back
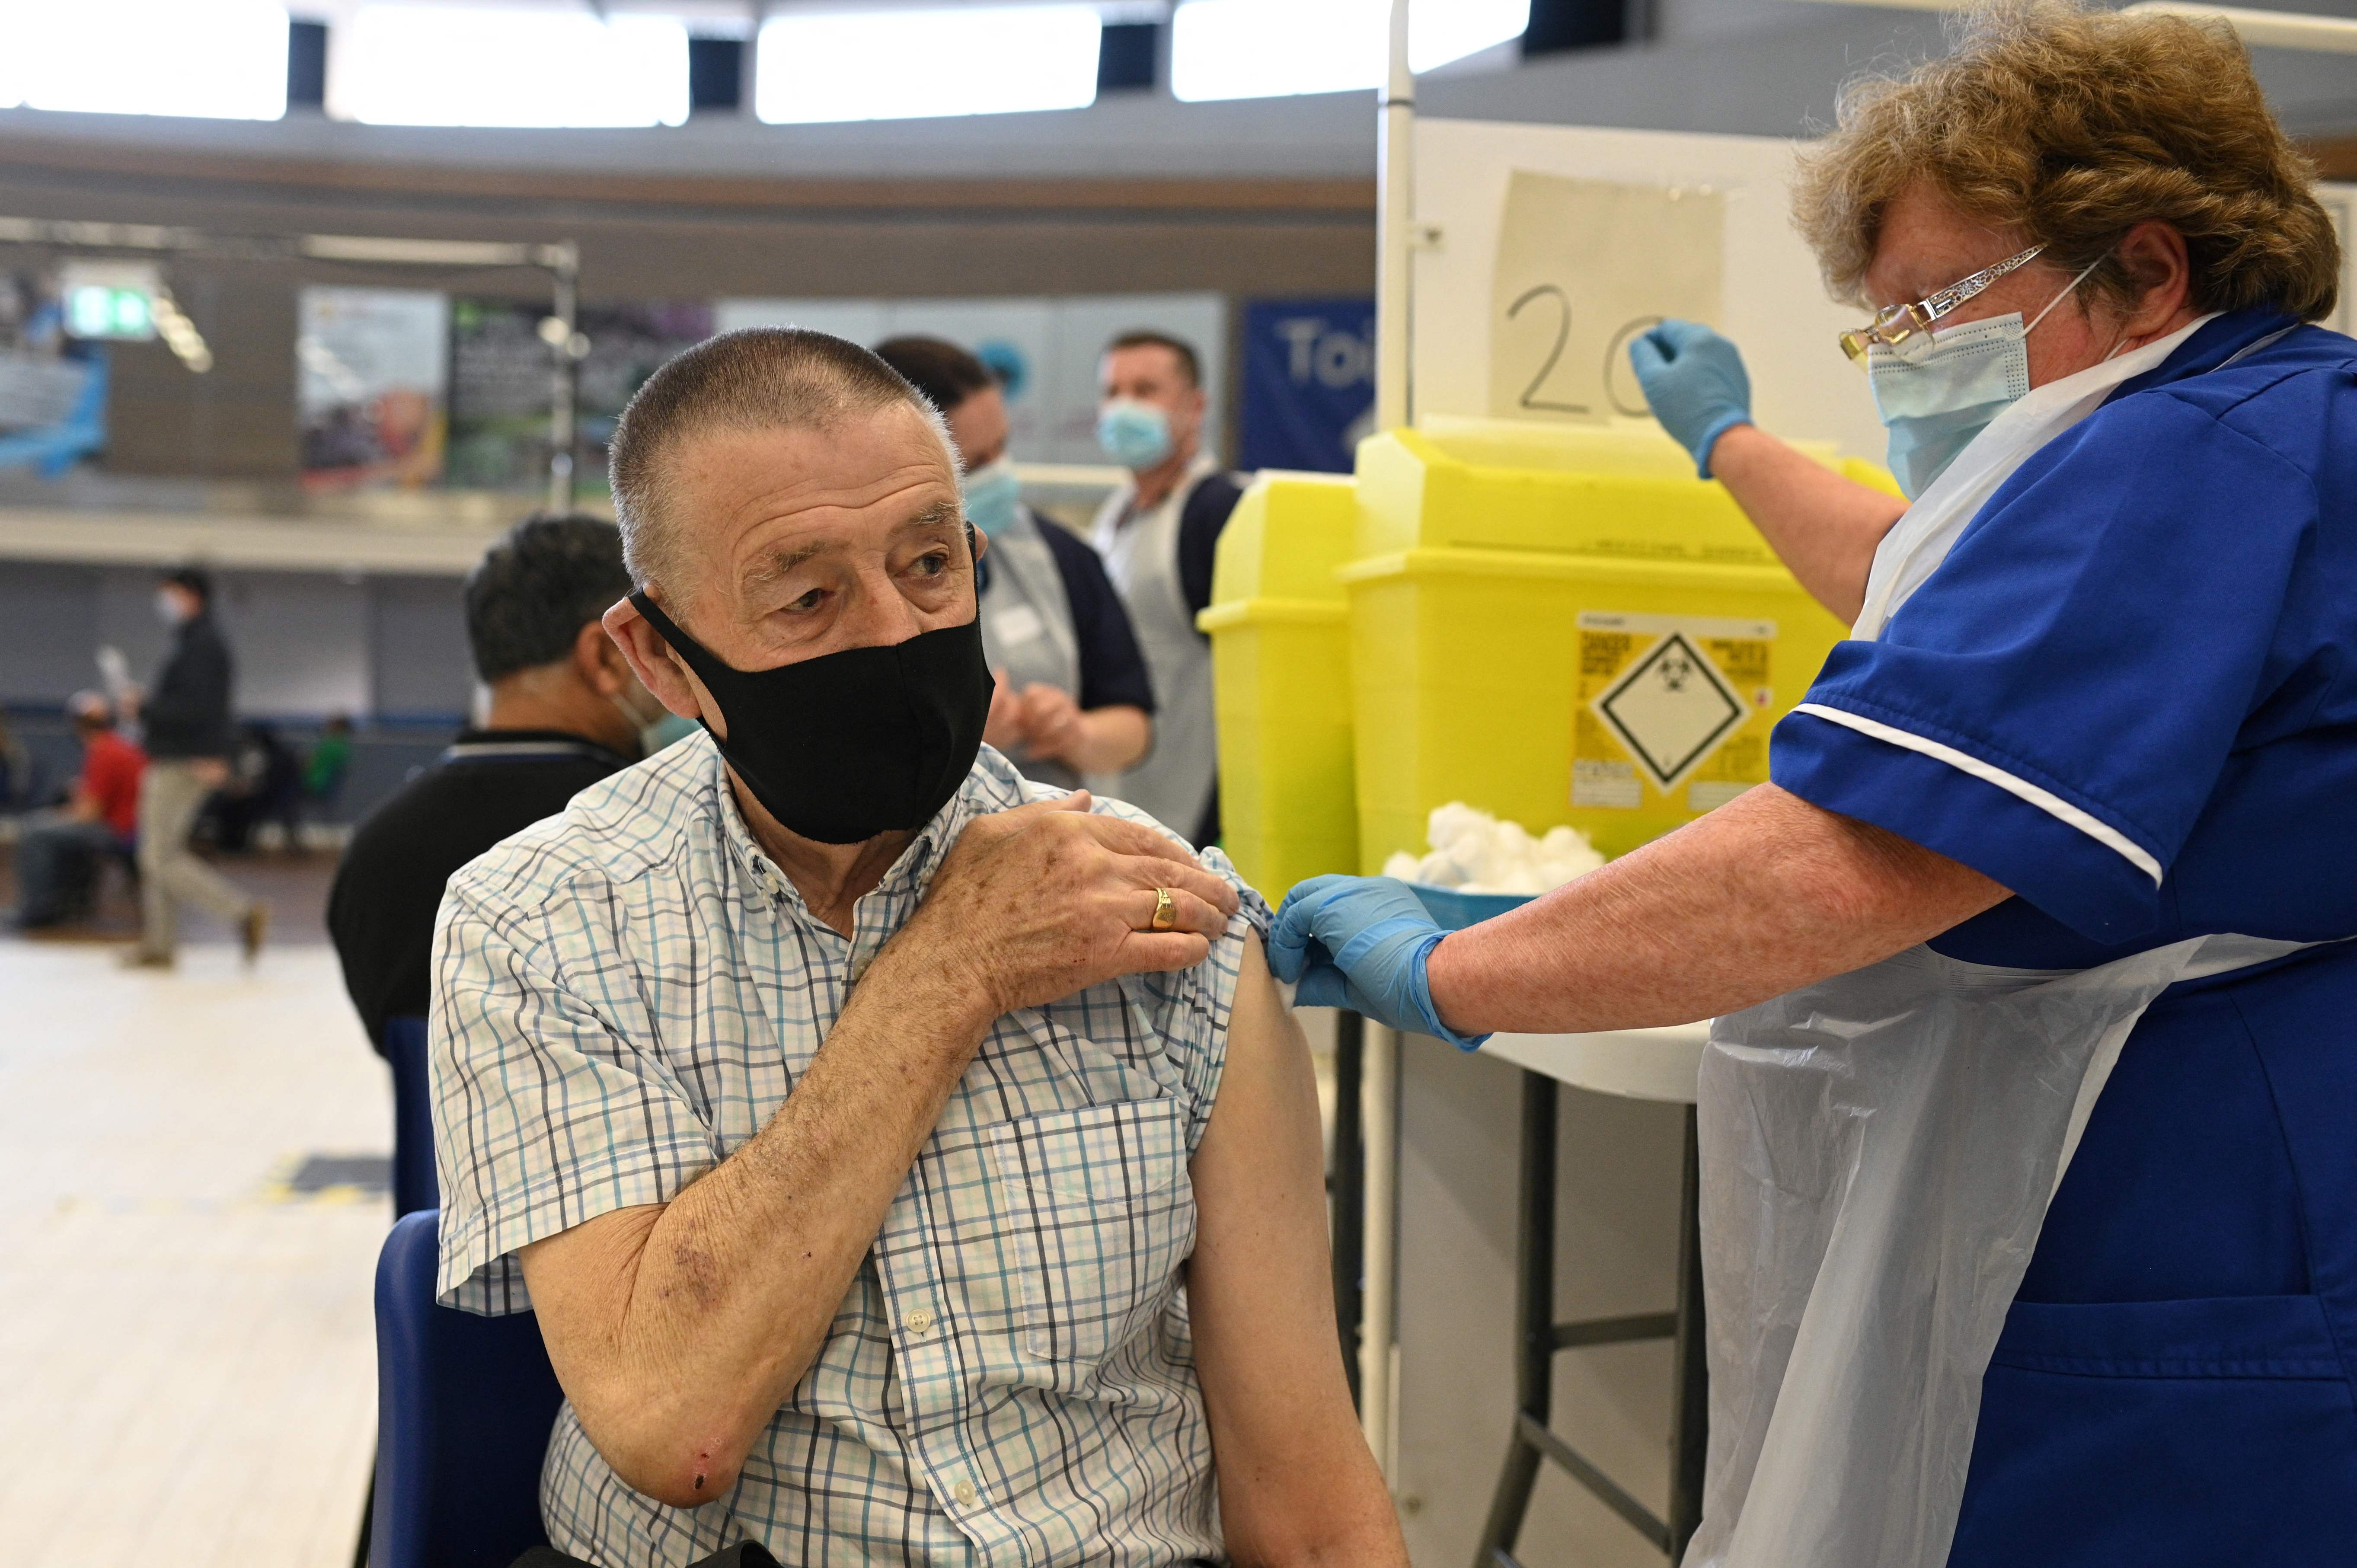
414, 1184
464, 1409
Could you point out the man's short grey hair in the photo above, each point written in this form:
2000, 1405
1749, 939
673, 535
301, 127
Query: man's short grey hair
761, 378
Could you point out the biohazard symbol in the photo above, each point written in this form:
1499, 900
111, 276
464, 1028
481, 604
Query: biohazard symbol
1671, 709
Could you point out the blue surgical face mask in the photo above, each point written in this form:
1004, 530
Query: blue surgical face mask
1134, 434
1935, 403
993, 497
665, 731
657, 725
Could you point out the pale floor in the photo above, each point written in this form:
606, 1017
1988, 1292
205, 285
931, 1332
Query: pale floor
186, 1356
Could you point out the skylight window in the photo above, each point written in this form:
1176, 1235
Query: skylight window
1273, 48
212, 59
908, 65
434, 65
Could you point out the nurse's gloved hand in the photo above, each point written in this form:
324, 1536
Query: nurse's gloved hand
1361, 942
1695, 383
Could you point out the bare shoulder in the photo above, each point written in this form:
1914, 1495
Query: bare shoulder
1264, 1118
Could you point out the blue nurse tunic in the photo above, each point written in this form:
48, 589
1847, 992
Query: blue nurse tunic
2130, 695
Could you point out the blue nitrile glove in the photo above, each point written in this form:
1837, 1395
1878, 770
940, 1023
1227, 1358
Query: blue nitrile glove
1694, 381
1361, 942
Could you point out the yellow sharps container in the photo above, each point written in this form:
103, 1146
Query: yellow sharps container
1562, 624
1281, 680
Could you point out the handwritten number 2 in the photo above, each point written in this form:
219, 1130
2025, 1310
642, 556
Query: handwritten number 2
1530, 398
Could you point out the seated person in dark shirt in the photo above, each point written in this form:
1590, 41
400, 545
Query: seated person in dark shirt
565, 711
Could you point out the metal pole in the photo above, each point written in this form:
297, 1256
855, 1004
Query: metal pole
1380, 1110
1349, 1187
1690, 1385
1534, 1335
1395, 225
566, 346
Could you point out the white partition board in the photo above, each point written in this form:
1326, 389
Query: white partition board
1774, 302
1058, 338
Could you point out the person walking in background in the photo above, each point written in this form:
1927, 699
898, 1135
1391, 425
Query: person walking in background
59, 855
565, 711
1072, 700
188, 739
1158, 534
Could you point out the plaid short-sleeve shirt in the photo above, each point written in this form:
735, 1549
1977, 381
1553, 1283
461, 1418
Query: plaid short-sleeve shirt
624, 993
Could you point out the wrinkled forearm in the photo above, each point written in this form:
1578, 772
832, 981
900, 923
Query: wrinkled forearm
1823, 526
1766, 894
689, 1324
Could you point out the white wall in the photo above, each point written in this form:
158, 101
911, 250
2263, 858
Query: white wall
305, 644
1616, 1254
46, 614
300, 642
417, 655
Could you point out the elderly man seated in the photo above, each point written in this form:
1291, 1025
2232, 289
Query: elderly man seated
906, 1163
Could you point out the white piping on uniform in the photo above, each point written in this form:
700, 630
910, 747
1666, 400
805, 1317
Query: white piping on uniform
2046, 801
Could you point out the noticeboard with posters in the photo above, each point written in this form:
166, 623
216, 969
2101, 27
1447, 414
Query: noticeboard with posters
501, 370
370, 364
52, 385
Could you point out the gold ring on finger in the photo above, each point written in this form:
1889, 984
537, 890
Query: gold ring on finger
1165, 911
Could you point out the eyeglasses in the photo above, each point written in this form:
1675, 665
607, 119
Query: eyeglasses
1906, 330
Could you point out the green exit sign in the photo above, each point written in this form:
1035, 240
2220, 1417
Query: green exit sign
102, 310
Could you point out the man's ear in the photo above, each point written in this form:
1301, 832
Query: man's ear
653, 661
593, 660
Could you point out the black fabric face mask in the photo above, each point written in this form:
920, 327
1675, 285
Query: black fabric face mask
845, 747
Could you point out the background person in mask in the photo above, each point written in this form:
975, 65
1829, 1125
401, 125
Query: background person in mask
565, 713
849, 1109
2092, 743
1158, 534
1072, 699
188, 738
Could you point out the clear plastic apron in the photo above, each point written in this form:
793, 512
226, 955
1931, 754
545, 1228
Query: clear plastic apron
1878, 1154
1172, 783
1026, 628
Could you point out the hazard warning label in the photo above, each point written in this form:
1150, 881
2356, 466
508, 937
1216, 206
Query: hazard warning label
1664, 702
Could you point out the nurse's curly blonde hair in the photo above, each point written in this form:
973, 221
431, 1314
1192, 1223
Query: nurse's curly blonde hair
2069, 126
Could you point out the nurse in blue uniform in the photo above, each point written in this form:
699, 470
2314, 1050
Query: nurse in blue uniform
2029, 1118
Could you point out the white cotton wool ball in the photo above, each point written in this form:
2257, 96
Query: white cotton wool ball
1567, 853
1451, 824
1404, 866
1465, 856
1477, 853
